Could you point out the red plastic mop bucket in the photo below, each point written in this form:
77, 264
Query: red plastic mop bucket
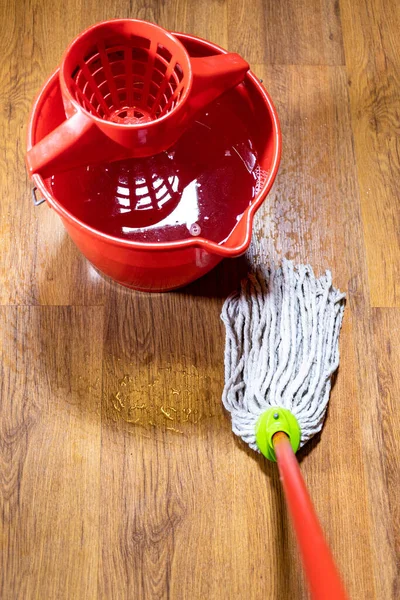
158, 266
129, 88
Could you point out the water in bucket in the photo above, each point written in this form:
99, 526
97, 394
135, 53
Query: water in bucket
200, 186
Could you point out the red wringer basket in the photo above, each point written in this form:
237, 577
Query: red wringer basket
129, 89
131, 82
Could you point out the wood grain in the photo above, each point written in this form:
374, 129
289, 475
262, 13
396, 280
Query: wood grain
372, 49
387, 343
119, 473
50, 451
285, 33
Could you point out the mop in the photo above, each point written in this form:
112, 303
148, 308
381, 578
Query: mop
282, 334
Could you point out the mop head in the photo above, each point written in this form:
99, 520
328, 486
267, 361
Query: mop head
282, 338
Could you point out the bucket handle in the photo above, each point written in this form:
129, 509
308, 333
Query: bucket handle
214, 75
60, 145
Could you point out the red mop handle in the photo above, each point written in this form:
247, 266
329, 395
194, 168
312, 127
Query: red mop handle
323, 577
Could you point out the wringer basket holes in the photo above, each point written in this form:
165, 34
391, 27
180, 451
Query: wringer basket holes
129, 83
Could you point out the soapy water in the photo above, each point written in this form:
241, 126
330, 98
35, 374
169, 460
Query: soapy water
200, 186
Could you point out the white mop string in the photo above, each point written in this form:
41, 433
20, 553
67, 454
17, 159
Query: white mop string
282, 337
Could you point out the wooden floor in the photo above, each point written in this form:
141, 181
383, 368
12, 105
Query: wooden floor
93, 505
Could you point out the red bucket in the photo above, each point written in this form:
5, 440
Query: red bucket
159, 266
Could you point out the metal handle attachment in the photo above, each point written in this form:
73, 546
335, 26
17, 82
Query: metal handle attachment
35, 201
